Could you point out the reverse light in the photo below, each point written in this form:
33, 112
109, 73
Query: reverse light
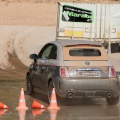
112, 72
63, 72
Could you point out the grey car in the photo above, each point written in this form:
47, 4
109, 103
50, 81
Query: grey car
75, 68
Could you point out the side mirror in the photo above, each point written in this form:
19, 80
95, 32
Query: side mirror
33, 56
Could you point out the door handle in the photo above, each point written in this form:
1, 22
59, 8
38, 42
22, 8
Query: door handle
43, 68
37, 68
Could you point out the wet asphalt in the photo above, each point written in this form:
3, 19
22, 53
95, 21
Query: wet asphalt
79, 109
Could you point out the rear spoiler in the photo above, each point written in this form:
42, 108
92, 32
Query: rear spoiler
83, 45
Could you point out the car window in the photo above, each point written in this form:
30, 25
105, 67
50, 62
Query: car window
45, 52
84, 52
53, 53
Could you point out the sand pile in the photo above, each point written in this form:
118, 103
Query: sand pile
22, 31
16, 44
19, 42
24, 28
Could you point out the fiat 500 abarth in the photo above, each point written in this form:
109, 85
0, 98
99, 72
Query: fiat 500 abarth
76, 69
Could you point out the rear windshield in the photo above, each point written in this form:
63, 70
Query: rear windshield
84, 52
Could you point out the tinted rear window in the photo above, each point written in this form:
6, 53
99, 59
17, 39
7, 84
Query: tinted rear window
84, 52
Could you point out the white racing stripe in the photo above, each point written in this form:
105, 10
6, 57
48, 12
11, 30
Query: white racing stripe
21, 100
53, 101
22, 92
53, 91
5, 110
42, 106
5, 106
53, 115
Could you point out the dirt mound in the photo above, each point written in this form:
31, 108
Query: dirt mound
16, 44
19, 71
55, 1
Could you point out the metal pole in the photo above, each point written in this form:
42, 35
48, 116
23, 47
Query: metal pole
109, 44
91, 28
73, 22
105, 25
96, 25
100, 22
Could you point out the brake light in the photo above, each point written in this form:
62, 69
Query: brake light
63, 72
112, 72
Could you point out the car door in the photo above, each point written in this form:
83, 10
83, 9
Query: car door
40, 66
50, 67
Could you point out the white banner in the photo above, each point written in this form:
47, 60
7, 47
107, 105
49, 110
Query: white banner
92, 21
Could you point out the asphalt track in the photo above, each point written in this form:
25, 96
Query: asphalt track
79, 109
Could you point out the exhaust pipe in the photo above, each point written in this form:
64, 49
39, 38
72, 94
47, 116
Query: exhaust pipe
109, 95
70, 95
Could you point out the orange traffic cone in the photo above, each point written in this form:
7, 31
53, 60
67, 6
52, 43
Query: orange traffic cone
2, 111
36, 112
53, 114
53, 102
3, 106
22, 104
21, 114
37, 105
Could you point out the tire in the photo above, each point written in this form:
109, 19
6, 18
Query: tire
29, 86
112, 100
60, 101
50, 88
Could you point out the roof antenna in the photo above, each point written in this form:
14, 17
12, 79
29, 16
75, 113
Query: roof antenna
59, 3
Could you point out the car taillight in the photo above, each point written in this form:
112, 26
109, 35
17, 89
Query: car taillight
112, 72
63, 72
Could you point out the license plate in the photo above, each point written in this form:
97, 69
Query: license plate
89, 73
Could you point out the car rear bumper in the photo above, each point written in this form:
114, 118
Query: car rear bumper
87, 88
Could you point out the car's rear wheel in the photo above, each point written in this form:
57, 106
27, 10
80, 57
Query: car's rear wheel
112, 100
50, 88
29, 86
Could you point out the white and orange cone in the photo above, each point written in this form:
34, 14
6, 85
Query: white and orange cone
37, 105
22, 104
2, 111
53, 114
21, 114
3, 106
53, 102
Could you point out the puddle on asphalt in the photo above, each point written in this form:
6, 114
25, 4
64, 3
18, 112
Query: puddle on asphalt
80, 110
